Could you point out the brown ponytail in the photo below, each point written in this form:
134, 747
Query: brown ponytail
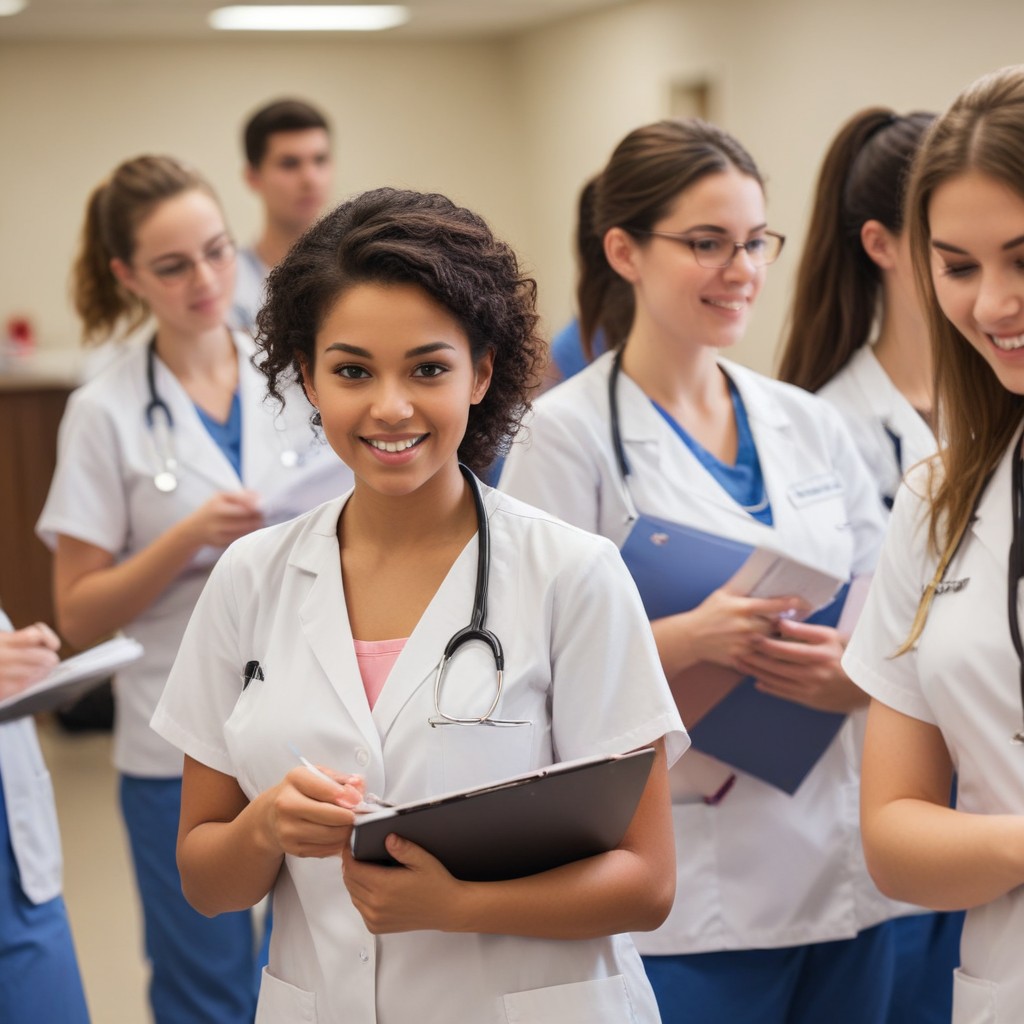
838, 286
113, 214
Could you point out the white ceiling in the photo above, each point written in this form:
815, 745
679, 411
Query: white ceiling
186, 19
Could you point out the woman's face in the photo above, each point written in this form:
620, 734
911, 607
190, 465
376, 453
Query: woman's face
394, 380
675, 295
183, 266
976, 225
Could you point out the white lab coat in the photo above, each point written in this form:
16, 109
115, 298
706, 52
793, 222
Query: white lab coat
963, 678
761, 869
31, 811
103, 493
873, 406
580, 665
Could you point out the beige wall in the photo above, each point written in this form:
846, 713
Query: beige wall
428, 115
785, 74
510, 128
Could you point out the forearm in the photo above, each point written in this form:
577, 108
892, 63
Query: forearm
97, 603
941, 858
228, 865
613, 892
677, 643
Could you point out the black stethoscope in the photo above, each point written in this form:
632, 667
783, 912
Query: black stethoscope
1016, 569
161, 429
476, 631
632, 515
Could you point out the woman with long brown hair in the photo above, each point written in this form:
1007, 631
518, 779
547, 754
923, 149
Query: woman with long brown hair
856, 332
938, 647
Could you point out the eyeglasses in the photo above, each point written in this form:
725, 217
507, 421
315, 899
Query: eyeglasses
716, 253
177, 270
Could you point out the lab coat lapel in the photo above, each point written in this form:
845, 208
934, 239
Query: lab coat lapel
650, 441
447, 613
323, 615
992, 523
885, 402
196, 450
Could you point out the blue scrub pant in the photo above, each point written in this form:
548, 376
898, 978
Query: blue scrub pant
39, 979
844, 982
927, 953
204, 970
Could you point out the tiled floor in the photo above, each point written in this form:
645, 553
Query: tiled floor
98, 884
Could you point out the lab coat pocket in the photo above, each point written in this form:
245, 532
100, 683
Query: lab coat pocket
281, 1003
974, 999
475, 755
600, 1001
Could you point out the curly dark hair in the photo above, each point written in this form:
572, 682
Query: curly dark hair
391, 236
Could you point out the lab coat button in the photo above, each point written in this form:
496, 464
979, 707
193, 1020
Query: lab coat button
362, 757
364, 955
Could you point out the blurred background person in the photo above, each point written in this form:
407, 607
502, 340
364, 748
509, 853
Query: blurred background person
289, 165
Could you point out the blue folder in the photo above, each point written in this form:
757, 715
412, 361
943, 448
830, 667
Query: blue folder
675, 567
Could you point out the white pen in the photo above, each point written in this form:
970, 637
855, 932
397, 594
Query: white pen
370, 801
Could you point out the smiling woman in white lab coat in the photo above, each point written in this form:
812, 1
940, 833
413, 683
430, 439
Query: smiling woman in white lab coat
415, 334
859, 338
164, 458
774, 909
938, 646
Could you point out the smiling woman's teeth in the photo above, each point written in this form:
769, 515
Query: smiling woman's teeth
736, 306
392, 446
1008, 344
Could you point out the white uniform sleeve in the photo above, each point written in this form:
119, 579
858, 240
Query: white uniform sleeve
552, 465
610, 693
892, 603
87, 498
206, 678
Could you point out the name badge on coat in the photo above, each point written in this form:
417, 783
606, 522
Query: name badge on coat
815, 489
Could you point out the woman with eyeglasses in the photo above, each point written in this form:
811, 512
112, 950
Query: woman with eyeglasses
414, 330
858, 336
775, 916
163, 459
938, 645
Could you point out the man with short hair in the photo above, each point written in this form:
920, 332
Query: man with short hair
290, 167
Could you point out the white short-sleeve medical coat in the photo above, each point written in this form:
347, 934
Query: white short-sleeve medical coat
963, 677
580, 665
761, 869
103, 493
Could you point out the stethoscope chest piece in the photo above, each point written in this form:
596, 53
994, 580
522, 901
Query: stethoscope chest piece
165, 481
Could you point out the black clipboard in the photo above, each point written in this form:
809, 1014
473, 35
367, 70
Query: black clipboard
520, 826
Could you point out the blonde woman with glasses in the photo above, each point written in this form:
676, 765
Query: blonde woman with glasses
164, 458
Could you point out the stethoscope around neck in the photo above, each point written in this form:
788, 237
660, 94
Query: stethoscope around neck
476, 631
160, 424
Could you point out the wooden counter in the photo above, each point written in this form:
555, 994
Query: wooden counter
32, 398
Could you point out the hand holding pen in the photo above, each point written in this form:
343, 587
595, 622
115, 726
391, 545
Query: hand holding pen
369, 802
26, 656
